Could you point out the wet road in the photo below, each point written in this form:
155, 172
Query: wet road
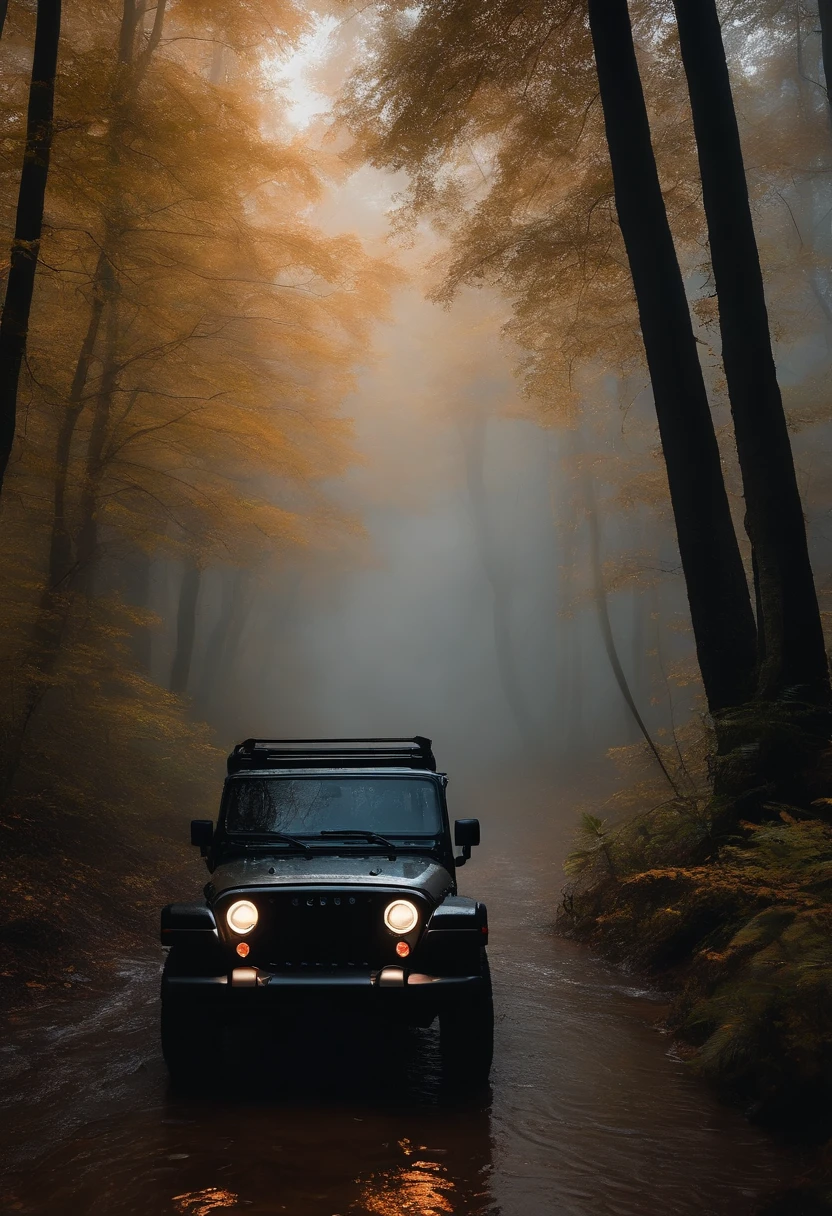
589, 1114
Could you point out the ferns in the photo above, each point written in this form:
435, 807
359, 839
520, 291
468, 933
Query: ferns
751, 931
594, 847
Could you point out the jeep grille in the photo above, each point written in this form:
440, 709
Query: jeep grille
321, 928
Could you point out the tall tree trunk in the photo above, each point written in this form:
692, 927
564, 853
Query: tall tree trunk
793, 655
825, 13
87, 543
135, 576
127, 31
232, 588
55, 601
242, 605
569, 687
55, 606
180, 671
723, 623
638, 645
132, 70
14, 323
60, 545
574, 730
605, 623
474, 430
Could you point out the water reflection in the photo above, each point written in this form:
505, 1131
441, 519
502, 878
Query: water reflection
342, 1097
202, 1203
588, 1117
421, 1188
357, 1122
432, 1181
354, 1122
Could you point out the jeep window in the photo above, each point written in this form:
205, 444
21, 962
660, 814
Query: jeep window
307, 806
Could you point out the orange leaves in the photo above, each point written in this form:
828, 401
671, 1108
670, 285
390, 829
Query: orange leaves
208, 415
234, 324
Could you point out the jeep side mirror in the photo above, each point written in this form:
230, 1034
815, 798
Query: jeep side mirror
466, 834
202, 833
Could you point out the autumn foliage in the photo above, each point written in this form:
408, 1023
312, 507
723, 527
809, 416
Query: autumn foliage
192, 339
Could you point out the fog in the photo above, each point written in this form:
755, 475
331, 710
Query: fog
333, 418
485, 564
400, 630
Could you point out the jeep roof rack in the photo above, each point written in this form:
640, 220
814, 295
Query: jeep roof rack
415, 753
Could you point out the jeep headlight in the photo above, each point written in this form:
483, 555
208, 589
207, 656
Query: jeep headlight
242, 916
401, 916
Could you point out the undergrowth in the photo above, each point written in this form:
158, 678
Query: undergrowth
100, 771
739, 921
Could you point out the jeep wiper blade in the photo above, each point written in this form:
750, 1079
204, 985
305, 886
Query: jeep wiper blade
373, 837
267, 837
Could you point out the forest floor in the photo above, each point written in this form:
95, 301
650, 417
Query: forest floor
76, 896
745, 942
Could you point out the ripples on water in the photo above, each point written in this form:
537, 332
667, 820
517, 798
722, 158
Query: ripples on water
588, 1115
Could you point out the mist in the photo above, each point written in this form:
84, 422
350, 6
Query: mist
405, 637
455, 370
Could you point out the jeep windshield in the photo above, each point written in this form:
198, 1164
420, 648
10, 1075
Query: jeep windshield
324, 807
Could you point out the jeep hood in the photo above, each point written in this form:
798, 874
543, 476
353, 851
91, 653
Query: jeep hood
408, 871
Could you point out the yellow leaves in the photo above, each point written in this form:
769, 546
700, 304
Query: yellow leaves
501, 135
647, 487
237, 324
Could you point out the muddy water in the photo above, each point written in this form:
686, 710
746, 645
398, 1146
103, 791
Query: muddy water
589, 1113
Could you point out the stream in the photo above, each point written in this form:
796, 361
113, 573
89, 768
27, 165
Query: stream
590, 1113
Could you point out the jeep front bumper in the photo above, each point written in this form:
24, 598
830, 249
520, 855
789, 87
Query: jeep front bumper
251, 989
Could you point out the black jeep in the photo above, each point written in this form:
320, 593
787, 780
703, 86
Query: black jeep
333, 888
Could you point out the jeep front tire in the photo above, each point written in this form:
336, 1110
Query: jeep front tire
190, 1037
466, 1036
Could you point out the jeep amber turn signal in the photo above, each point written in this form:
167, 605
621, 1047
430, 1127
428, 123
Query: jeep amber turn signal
242, 916
401, 916
402, 949
243, 949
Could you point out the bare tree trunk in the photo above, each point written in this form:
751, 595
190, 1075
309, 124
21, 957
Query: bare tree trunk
55, 601
807, 216
87, 543
56, 604
602, 608
20, 285
240, 614
569, 669
185, 631
223, 637
60, 546
723, 623
638, 645
135, 576
793, 655
474, 438
825, 14
104, 283
575, 726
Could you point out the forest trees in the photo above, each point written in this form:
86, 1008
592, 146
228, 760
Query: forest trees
792, 656
492, 109
723, 624
192, 338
